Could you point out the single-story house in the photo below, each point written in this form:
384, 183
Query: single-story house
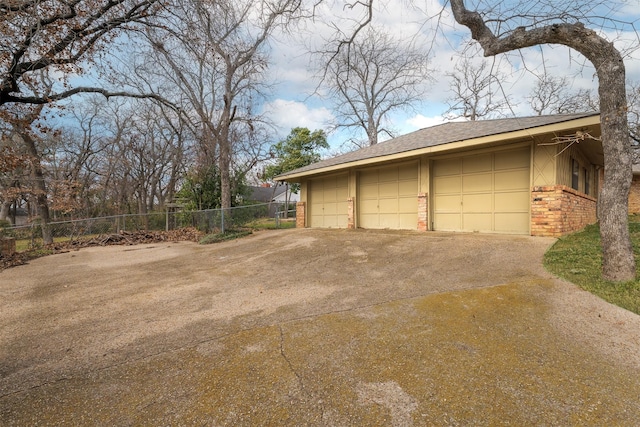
267, 193
513, 176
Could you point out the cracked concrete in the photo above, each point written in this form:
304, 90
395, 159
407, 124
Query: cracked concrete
313, 327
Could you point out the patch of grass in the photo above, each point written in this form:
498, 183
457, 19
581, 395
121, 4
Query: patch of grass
578, 259
270, 224
25, 244
221, 237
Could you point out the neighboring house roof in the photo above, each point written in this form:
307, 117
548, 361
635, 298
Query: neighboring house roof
426, 140
265, 194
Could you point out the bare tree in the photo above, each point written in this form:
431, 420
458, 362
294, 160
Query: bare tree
553, 23
476, 91
216, 59
553, 95
58, 37
373, 77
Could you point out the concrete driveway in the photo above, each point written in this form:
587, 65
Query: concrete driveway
313, 327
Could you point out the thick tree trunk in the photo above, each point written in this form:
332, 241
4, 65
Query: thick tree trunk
618, 262
618, 259
4, 211
225, 176
39, 186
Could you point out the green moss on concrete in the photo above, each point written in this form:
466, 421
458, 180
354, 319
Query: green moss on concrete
481, 357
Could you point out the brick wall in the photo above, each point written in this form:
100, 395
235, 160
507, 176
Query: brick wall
558, 210
423, 212
301, 212
351, 214
634, 195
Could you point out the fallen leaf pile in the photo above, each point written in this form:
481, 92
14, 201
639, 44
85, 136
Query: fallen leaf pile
189, 234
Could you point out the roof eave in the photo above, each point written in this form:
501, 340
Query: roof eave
484, 140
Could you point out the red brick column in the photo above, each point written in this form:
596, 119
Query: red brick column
301, 213
351, 217
423, 211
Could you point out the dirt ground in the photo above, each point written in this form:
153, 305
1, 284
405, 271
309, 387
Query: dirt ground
313, 327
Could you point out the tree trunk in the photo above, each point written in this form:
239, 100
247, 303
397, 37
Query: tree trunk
39, 186
617, 252
225, 176
4, 211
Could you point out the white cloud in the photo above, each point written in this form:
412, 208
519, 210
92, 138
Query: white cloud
286, 115
419, 121
291, 67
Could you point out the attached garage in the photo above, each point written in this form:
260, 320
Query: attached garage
510, 176
487, 192
328, 201
387, 197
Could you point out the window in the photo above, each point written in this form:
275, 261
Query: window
575, 174
585, 173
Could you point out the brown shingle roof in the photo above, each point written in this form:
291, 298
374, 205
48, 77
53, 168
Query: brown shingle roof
439, 135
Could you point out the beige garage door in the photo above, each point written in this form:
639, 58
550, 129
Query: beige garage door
485, 192
328, 202
388, 197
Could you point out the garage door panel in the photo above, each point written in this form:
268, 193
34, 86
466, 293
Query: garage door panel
448, 222
511, 222
447, 167
408, 204
474, 164
408, 221
330, 208
512, 201
408, 174
329, 195
388, 189
370, 205
477, 202
510, 180
388, 175
388, 206
408, 188
512, 159
328, 202
491, 192
477, 182
448, 203
447, 184
387, 197
368, 178
342, 194
368, 191
477, 222
388, 221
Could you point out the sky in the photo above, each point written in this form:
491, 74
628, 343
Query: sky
296, 103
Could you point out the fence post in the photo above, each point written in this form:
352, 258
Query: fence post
222, 221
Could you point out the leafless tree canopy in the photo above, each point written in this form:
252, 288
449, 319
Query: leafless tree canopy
373, 77
476, 92
61, 37
553, 95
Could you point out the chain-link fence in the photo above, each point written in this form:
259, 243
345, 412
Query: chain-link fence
207, 221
